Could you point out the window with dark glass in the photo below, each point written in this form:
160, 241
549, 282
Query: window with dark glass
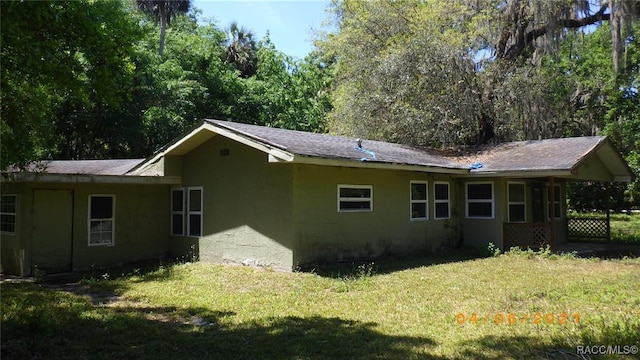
419, 200
517, 202
441, 200
194, 212
177, 212
354, 198
480, 200
101, 219
8, 214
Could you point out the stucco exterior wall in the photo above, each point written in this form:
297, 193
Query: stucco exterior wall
593, 169
479, 233
247, 206
141, 227
14, 257
323, 234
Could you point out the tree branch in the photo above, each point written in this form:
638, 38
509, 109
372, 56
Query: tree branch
521, 44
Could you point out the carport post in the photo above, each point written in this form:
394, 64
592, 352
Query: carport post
552, 213
608, 204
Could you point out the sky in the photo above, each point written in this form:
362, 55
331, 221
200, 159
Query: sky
290, 23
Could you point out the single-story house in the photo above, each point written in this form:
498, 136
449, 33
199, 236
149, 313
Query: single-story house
232, 192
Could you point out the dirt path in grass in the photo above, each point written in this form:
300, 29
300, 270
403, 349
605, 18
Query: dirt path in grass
103, 297
68, 283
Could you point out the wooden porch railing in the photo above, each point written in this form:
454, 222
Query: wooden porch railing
589, 229
526, 235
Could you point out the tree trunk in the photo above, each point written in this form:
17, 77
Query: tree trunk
163, 26
616, 35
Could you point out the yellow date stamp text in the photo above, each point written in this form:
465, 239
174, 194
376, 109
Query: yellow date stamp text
538, 318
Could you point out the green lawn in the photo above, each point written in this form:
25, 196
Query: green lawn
625, 228
394, 309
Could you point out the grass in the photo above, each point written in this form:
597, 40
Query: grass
625, 228
393, 309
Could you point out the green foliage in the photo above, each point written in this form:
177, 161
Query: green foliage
73, 67
544, 252
241, 50
602, 103
96, 86
493, 250
410, 72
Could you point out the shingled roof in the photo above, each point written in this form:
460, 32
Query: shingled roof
551, 157
327, 146
84, 167
549, 154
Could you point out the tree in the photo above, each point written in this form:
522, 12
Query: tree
529, 25
56, 54
600, 102
290, 94
163, 11
452, 73
241, 50
83, 80
404, 76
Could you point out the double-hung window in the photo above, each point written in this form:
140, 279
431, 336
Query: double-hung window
101, 219
194, 211
419, 207
556, 202
8, 214
186, 211
480, 200
355, 198
178, 201
517, 202
441, 200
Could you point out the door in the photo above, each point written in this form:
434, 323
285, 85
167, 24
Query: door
52, 230
537, 206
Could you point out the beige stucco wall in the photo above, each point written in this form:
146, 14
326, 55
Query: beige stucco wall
247, 206
13, 254
141, 225
322, 234
593, 169
479, 233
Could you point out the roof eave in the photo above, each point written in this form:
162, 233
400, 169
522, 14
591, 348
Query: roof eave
522, 173
625, 179
312, 160
91, 178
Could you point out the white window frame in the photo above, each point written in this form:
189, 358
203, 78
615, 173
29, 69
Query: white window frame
490, 201
552, 202
182, 212
351, 199
419, 201
112, 219
511, 202
14, 213
441, 201
190, 212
